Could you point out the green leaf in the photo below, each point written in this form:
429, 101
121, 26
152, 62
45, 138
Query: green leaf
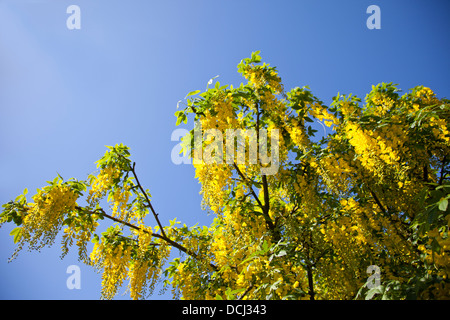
192, 93
443, 203
256, 58
17, 233
281, 253
95, 239
67, 221
374, 291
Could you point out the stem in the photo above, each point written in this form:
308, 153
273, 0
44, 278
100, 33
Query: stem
310, 282
266, 194
155, 215
377, 201
148, 201
265, 207
162, 237
402, 233
250, 186
246, 291
441, 179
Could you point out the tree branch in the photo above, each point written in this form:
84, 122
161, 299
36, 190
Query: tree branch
148, 200
248, 182
156, 235
441, 179
377, 201
266, 194
246, 291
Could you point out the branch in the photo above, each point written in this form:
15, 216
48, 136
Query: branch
197, 112
393, 218
163, 236
246, 291
266, 194
377, 201
156, 235
248, 182
441, 179
148, 200
425, 173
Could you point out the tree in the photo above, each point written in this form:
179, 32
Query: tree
303, 221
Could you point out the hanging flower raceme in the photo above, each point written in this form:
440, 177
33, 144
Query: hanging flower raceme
113, 259
44, 216
101, 183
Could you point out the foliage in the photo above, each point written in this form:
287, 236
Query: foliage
374, 191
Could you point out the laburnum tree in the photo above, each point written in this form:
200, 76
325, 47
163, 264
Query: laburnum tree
373, 192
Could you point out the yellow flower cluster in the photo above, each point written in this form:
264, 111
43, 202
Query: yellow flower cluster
146, 266
255, 75
272, 105
187, 282
81, 231
302, 187
374, 152
45, 216
354, 240
214, 179
336, 172
222, 115
260, 77
113, 259
102, 183
140, 263
321, 113
441, 260
440, 130
120, 198
348, 109
426, 96
140, 273
382, 103
297, 134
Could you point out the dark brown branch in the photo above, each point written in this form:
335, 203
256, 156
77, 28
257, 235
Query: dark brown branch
266, 194
264, 208
425, 173
148, 200
441, 179
377, 201
156, 235
197, 112
246, 291
155, 215
248, 182
402, 233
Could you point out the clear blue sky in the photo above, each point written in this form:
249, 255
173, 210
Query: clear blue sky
65, 94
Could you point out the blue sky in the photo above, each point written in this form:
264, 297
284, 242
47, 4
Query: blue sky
65, 94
